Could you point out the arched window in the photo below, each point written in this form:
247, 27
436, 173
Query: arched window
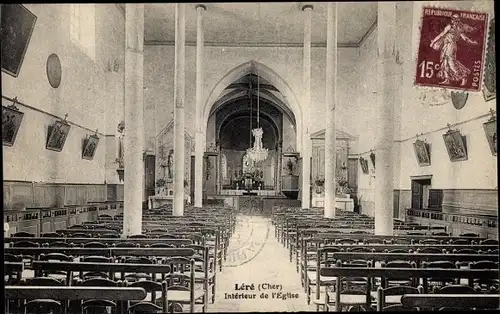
82, 27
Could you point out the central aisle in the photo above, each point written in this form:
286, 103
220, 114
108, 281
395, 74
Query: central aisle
255, 257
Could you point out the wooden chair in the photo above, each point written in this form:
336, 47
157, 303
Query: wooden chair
394, 293
441, 234
43, 305
438, 282
489, 241
374, 241
429, 241
360, 249
138, 236
354, 291
46, 306
359, 232
460, 241
85, 275
126, 244
400, 241
96, 306
56, 274
403, 251
398, 281
470, 235
347, 241
110, 235
398, 308
179, 295
79, 235
60, 244
25, 244
51, 235
22, 234
455, 289
465, 251
12, 276
77, 226
136, 260
162, 245
94, 244
154, 305
430, 250
489, 285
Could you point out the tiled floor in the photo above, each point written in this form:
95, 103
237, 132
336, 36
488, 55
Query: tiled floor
255, 257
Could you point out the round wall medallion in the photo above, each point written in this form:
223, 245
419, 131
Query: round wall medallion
54, 71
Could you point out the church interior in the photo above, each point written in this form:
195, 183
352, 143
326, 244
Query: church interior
249, 157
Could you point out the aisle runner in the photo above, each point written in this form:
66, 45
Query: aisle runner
257, 275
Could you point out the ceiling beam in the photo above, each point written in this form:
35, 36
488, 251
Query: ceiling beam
248, 44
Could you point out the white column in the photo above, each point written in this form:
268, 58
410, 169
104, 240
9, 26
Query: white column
306, 140
330, 100
134, 120
179, 97
198, 159
384, 139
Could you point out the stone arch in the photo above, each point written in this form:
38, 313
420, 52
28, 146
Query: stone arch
272, 77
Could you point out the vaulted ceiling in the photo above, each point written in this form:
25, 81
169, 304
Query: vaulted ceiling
280, 23
246, 85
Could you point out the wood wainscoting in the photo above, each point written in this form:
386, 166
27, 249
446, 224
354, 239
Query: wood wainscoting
23, 194
477, 202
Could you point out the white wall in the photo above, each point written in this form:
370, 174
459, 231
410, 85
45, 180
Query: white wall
87, 93
412, 117
286, 62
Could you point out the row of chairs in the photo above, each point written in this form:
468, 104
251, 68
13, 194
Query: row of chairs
178, 262
306, 233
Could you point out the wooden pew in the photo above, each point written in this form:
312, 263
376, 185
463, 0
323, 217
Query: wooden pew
161, 252
369, 272
436, 301
154, 269
110, 268
72, 293
13, 271
417, 257
109, 241
12, 267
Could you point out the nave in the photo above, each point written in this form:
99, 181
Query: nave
73, 259
248, 263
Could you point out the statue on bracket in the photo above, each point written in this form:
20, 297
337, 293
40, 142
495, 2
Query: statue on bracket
170, 158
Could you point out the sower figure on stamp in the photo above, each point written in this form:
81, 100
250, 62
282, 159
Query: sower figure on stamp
450, 68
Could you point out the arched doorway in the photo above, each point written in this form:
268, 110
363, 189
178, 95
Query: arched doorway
228, 134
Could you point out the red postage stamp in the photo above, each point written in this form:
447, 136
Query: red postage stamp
451, 49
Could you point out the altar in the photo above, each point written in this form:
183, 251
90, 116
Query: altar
343, 203
156, 201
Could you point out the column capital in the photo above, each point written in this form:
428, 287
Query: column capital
307, 7
200, 6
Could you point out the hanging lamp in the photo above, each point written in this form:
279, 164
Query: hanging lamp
257, 153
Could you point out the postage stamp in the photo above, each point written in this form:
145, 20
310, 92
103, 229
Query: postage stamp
451, 49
